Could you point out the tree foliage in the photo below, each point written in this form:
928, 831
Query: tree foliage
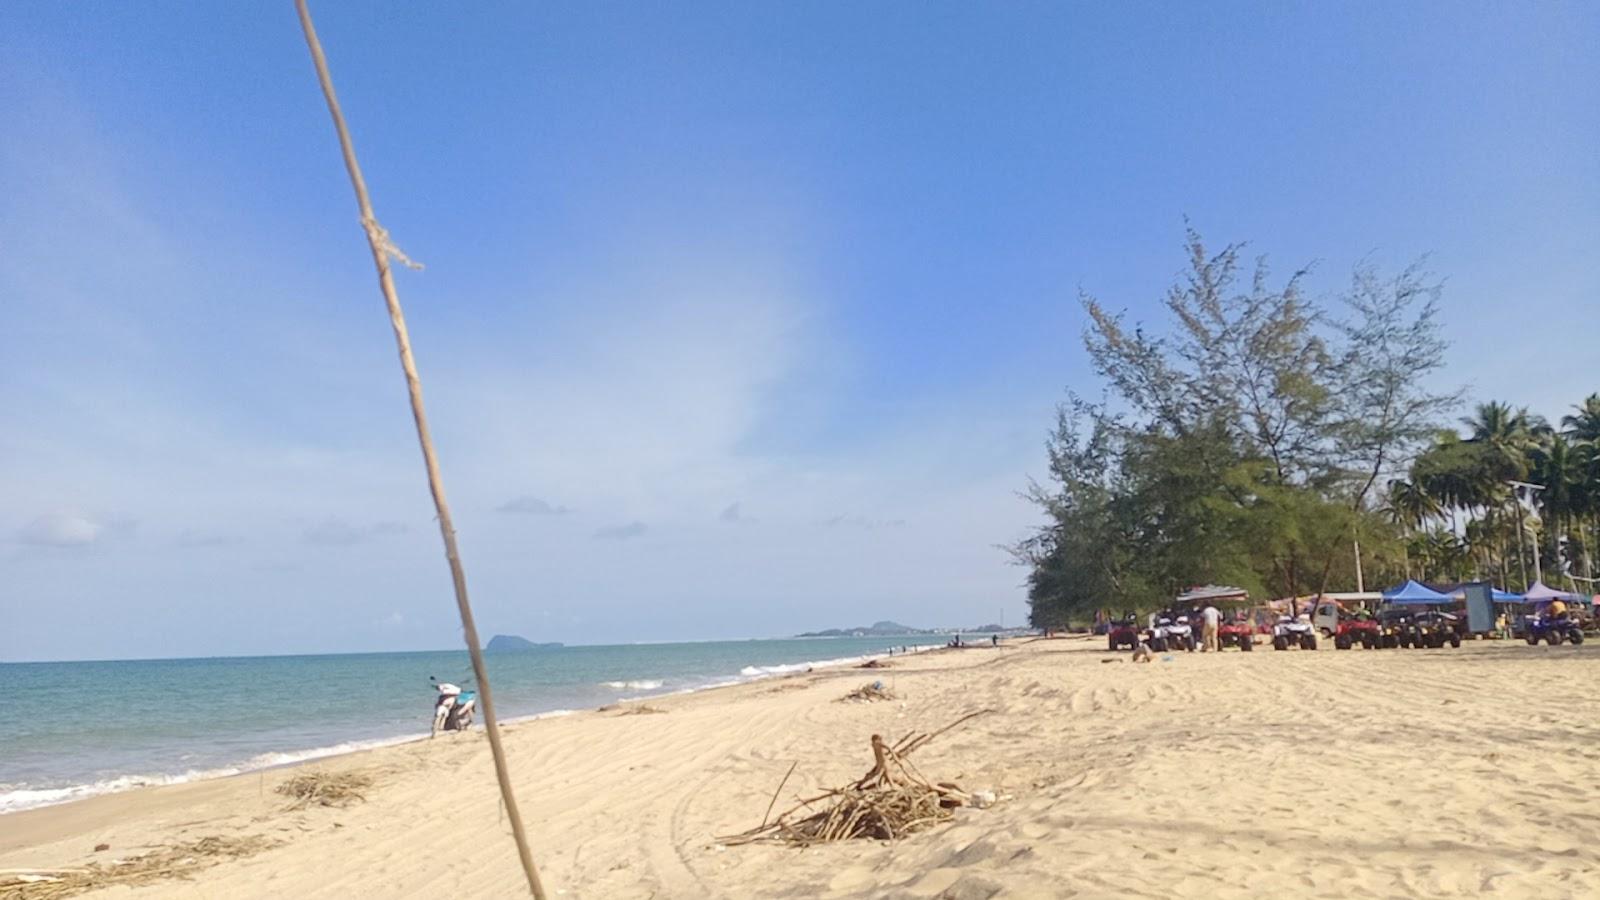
1239, 444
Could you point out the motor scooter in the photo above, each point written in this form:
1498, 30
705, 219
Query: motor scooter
454, 708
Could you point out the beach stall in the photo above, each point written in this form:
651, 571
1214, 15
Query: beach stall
1415, 593
1410, 616
1544, 593
1237, 628
1496, 611
1534, 625
1540, 594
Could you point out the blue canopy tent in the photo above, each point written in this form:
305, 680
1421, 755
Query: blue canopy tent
1495, 594
1413, 593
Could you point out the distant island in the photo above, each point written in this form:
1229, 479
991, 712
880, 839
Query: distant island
506, 642
895, 629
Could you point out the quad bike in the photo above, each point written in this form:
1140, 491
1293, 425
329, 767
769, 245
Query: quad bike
1434, 629
1552, 631
1352, 632
1168, 634
1123, 633
1180, 635
1292, 632
1237, 632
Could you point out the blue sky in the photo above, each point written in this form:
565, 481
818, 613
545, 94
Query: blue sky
738, 319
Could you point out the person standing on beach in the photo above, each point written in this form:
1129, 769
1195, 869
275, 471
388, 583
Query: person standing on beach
1210, 618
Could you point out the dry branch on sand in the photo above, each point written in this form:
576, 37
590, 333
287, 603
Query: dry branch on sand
325, 788
892, 800
874, 664
174, 861
868, 693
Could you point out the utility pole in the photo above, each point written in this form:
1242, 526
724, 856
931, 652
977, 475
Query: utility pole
1361, 585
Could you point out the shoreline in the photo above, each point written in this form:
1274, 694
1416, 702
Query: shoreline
20, 798
1235, 775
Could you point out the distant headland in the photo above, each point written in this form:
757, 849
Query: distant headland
508, 642
895, 629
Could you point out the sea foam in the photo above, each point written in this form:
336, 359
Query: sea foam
643, 684
15, 799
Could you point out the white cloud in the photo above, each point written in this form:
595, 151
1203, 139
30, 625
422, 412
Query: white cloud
621, 532
533, 506
61, 530
336, 532
858, 521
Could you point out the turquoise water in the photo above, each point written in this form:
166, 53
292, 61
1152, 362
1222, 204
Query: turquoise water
75, 729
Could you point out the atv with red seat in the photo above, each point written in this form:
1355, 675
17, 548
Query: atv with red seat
1124, 632
1350, 632
1239, 632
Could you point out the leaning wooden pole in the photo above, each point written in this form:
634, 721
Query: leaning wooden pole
382, 251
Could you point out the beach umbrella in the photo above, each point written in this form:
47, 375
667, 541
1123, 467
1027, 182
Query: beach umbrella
1414, 593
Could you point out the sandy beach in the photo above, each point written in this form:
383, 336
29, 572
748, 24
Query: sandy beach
1327, 774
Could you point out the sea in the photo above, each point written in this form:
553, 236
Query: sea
76, 729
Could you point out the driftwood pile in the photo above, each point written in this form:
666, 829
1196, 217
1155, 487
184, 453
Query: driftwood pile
891, 801
325, 788
173, 861
869, 693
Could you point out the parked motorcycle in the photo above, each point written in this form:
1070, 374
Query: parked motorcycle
454, 708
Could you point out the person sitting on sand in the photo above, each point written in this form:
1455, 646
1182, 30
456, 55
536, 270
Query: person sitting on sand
1142, 653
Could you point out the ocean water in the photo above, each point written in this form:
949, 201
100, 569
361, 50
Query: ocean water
75, 729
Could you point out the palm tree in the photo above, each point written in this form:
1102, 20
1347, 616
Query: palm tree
1446, 472
1505, 434
1443, 555
1496, 421
1586, 500
1584, 426
1410, 506
1556, 466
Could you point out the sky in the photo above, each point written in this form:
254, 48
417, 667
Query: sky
737, 319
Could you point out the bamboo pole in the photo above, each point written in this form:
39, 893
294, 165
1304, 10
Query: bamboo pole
382, 250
